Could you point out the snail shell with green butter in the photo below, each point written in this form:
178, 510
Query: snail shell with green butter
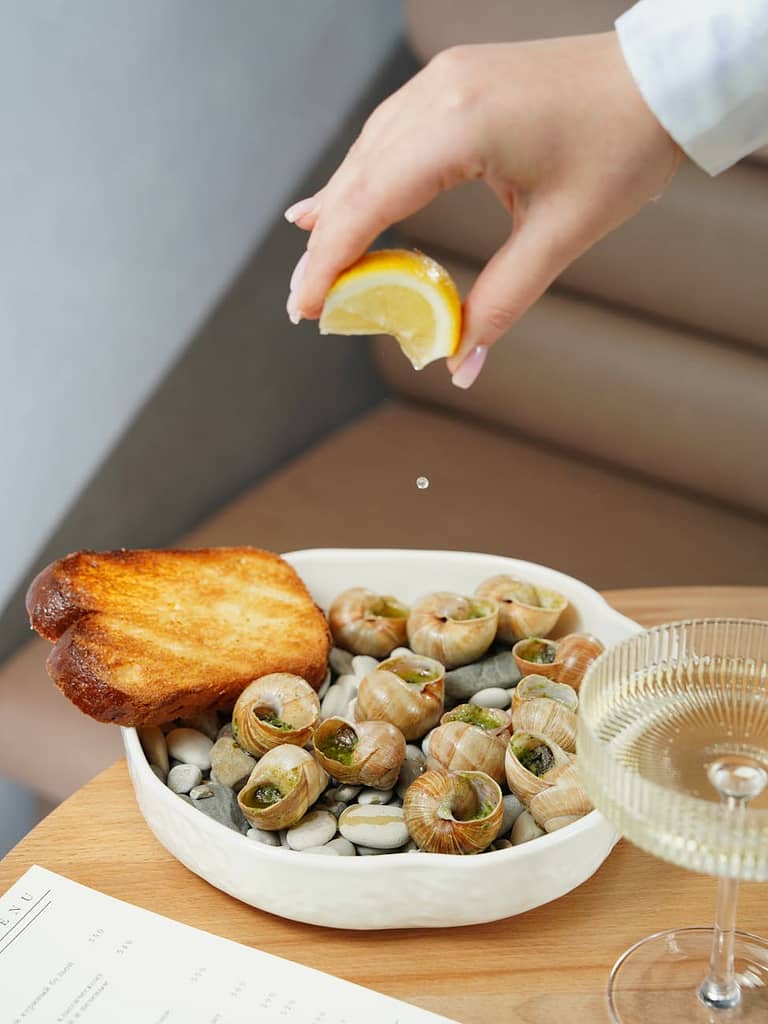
453, 812
360, 753
281, 788
276, 709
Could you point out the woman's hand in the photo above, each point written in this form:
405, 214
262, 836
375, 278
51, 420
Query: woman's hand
557, 128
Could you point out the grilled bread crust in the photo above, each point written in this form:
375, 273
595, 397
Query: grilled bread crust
142, 637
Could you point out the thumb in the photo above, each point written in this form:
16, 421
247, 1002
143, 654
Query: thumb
514, 278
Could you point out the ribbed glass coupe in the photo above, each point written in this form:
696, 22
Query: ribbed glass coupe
673, 750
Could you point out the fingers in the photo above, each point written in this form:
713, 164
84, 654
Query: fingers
511, 282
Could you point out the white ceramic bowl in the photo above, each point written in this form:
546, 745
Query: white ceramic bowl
413, 890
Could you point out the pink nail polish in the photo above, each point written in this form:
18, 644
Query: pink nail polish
303, 206
298, 273
292, 309
469, 371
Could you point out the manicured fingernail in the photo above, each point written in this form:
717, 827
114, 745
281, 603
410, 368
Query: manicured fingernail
292, 308
466, 375
298, 273
303, 206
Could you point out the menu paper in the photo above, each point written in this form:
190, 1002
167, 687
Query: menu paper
70, 954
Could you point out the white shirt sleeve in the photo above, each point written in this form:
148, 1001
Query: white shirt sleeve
702, 68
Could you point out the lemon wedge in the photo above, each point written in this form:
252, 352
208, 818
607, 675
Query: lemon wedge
397, 292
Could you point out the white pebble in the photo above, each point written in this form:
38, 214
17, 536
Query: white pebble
190, 747
184, 777
400, 652
363, 664
525, 829
283, 835
381, 827
493, 697
349, 714
155, 746
324, 685
375, 796
338, 847
369, 851
261, 835
314, 829
344, 793
340, 661
338, 697
203, 792
512, 811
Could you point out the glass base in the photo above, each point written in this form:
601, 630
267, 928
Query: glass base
659, 978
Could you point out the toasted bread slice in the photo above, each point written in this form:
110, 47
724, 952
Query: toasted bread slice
142, 637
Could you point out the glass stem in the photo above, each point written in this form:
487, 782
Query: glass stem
720, 989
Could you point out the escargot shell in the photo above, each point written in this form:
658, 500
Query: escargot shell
406, 690
561, 804
453, 629
565, 661
361, 753
364, 622
543, 706
458, 746
524, 609
530, 759
275, 709
280, 789
453, 812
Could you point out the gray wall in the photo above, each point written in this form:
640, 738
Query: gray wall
147, 149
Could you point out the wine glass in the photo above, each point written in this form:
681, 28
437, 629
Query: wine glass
673, 750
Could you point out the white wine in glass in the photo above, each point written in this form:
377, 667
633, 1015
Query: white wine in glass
673, 750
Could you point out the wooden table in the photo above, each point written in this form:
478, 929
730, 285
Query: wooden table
524, 970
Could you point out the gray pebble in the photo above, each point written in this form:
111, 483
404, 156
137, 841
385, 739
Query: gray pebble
345, 793
374, 796
158, 771
338, 847
412, 767
261, 835
498, 670
222, 806
184, 777
334, 807
493, 697
283, 834
425, 743
231, 764
200, 792
370, 851
363, 665
225, 730
501, 844
335, 702
341, 661
315, 829
191, 747
512, 811
382, 827
154, 744
206, 722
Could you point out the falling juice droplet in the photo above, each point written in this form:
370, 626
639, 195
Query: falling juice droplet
422, 483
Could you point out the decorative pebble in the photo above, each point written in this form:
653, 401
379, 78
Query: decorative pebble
525, 829
231, 764
512, 811
412, 767
260, 835
345, 793
159, 772
349, 714
206, 722
341, 661
315, 829
499, 670
381, 827
155, 746
338, 697
425, 743
221, 805
501, 844
191, 747
323, 689
363, 664
338, 847
200, 792
400, 652
370, 851
184, 777
225, 730
334, 807
283, 834
375, 796
493, 697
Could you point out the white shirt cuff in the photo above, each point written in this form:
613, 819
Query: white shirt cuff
702, 68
